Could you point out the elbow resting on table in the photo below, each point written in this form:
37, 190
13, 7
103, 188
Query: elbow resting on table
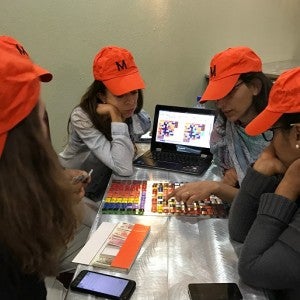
123, 171
248, 275
234, 233
257, 276
235, 236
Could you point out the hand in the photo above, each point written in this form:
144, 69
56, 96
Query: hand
289, 186
108, 109
192, 191
79, 186
230, 177
268, 163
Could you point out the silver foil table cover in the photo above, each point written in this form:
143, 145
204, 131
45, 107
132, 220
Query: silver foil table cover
179, 249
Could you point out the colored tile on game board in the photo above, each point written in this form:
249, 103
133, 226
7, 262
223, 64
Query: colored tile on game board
132, 196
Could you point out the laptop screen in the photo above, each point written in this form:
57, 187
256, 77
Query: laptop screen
187, 127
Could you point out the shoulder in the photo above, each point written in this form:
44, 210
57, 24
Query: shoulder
79, 118
78, 112
142, 116
141, 122
143, 113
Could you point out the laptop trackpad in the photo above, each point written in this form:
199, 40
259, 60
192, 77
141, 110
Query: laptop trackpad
168, 165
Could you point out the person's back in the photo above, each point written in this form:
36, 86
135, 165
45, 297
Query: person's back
38, 214
14, 283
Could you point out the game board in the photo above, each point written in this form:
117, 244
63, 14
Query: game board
141, 197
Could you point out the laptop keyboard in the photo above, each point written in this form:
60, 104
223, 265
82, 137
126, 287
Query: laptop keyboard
174, 161
179, 161
177, 158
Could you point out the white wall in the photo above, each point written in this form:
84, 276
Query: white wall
172, 42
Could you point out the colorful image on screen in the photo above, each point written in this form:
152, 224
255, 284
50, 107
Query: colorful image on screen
184, 129
103, 284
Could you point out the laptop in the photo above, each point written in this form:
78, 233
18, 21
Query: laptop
180, 140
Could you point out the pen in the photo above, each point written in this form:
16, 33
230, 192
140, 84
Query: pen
82, 177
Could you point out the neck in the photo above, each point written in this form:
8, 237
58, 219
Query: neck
247, 117
241, 123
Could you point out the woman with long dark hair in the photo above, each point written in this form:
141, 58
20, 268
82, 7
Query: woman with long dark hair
108, 120
38, 204
265, 215
240, 91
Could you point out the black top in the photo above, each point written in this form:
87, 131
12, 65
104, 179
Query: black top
15, 285
268, 225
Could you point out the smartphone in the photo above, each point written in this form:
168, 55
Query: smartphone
214, 291
103, 285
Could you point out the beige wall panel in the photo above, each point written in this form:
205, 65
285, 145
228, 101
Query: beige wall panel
172, 42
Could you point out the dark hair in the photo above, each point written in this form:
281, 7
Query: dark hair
37, 202
289, 118
260, 101
89, 102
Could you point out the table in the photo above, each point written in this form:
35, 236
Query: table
179, 250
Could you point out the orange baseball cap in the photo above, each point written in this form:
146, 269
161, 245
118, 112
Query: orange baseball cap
115, 67
284, 98
19, 85
226, 68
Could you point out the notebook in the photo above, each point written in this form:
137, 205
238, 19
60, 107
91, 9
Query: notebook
180, 140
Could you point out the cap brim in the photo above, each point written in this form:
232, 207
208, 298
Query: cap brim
262, 122
218, 89
45, 76
125, 84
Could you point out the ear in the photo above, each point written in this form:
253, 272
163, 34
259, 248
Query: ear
296, 134
297, 128
255, 86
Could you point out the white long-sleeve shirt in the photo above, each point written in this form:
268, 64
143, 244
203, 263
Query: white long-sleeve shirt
88, 148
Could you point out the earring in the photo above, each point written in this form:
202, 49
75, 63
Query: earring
298, 138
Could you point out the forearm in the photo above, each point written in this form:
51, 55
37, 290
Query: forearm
225, 191
116, 154
244, 208
122, 153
